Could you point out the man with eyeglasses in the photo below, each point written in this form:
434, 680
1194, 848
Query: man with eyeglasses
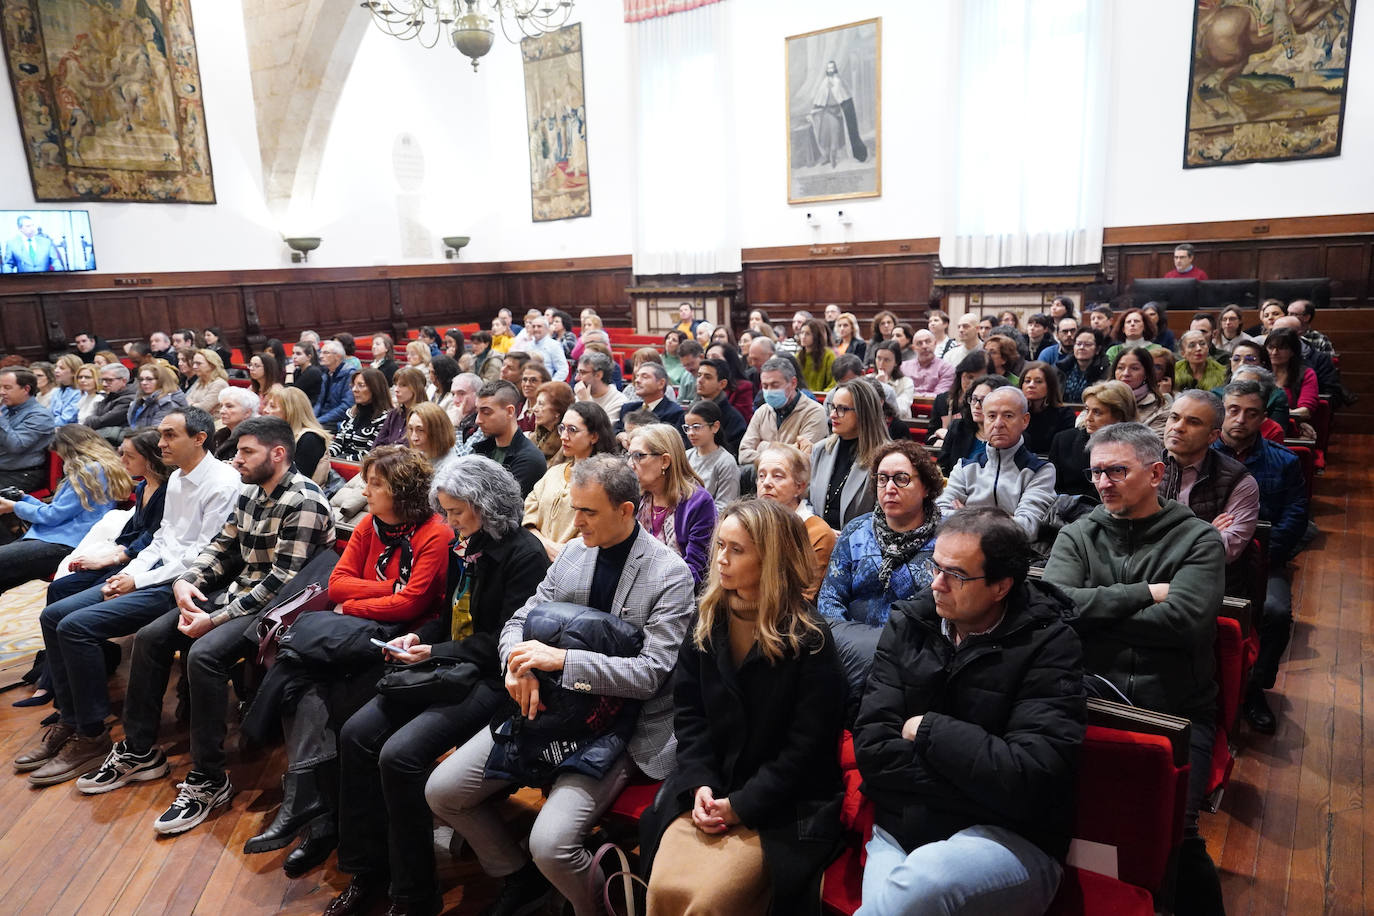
1006, 475
594, 373
1064, 333
1282, 503
969, 730
1146, 575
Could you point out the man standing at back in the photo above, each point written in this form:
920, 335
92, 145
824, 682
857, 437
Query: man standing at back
1283, 504
280, 521
1184, 268
1146, 575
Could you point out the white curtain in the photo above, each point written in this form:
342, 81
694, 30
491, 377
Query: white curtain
1030, 140
683, 116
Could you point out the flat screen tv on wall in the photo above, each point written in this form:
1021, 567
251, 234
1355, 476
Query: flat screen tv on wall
43, 241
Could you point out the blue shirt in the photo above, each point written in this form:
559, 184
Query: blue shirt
64, 520
25, 434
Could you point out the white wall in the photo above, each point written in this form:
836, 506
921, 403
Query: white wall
233, 233
1146, 181
470, 127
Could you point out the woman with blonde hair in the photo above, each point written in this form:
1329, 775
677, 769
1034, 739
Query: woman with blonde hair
1103, 404
93, 480
210, 380
783, 476
674, 506
158, 394
840, 464
418, 356
429, 431
92, 393
759, 684
312, 440
847, 339
65, 402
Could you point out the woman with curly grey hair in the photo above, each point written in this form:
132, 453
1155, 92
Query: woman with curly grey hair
389, 745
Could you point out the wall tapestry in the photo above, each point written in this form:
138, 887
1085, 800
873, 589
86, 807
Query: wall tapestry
108, 95
1267, 81
834, 113
556, 113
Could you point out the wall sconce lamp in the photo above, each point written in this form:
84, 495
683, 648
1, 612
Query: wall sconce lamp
452, 243
845, 220
301, 248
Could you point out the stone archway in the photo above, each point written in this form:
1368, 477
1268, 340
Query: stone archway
299, 54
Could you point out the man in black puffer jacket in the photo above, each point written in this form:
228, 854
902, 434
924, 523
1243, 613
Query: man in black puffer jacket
969, 730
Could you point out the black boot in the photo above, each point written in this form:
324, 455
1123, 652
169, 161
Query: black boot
301, 803
320, 840
1199, 887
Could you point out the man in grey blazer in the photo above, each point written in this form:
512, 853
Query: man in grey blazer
620, 568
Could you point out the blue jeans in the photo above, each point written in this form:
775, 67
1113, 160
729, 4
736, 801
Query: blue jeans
979, 870
73, 629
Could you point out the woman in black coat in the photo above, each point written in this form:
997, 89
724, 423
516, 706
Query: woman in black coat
750, 818
388, 747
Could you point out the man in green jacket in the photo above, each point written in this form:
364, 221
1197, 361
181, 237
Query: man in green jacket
1147, 576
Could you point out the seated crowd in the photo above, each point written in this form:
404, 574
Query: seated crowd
559, 581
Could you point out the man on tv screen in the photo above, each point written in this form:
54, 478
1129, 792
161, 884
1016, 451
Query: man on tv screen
30, 251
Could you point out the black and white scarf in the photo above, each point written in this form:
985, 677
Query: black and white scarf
898, 547
394, 538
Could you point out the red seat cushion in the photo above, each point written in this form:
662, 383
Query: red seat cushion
842, 888
634, 800
1090, 894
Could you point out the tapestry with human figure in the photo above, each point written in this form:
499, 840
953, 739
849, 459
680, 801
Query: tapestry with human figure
556, 115
109, 99
1267, 81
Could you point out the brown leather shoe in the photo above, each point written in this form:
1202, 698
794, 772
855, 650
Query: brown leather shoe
79, 754
356, 898
44, 747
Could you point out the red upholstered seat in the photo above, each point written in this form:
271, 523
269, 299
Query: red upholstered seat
633, 801
54, 477
1091, 894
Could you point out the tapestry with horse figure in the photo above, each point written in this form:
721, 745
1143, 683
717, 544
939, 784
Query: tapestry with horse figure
1267, 81
109, 99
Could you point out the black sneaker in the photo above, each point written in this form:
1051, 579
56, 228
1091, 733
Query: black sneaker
523, 892
196, 798
122, 767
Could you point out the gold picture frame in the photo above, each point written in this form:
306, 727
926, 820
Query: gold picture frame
834, 104
109, 102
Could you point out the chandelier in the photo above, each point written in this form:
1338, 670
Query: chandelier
467, 27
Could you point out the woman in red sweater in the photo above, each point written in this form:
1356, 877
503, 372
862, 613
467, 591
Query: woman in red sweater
393, 570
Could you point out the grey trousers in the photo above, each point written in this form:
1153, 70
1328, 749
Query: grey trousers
460, 796
309, 739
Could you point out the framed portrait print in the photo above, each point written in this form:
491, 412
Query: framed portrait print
834, 113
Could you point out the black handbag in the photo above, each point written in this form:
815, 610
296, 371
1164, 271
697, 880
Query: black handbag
334, 641
434, 680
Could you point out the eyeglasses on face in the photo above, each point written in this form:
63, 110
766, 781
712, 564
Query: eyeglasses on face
1116, 473
902, 479
976, 400
568, 429
637, 457
933, 569
693, 427
839, 410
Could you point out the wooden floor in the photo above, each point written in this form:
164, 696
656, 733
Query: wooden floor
1294, 834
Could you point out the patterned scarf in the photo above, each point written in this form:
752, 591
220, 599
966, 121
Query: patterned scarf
394, 538
900, 546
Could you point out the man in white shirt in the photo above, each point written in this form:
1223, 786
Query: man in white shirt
555, 360
969, 339
199, 498
593, 384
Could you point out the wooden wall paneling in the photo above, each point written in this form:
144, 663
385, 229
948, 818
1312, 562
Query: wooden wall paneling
1289, 261
1348, 265
436, 301
296, 309
866, 283
1233, 262
767, 284
907, 283
21, 324
832, 284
